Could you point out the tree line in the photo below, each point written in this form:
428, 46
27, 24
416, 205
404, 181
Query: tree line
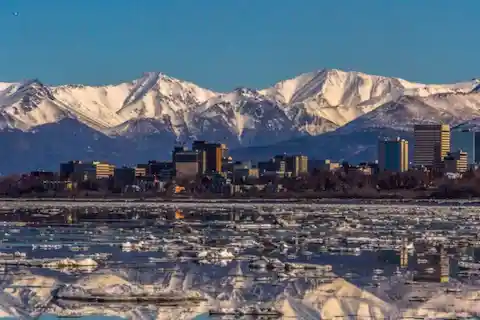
344, 182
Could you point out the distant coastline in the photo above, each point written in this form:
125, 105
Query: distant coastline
304, 201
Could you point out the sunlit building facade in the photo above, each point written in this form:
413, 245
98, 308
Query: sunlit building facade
393, 155
432, 144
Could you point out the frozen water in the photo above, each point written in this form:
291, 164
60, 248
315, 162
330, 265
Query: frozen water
319, 261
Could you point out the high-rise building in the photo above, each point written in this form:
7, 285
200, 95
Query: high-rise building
214, 153
295, 164
393, 155
477, 147
188, 164
464, 140
432, 143
176, 149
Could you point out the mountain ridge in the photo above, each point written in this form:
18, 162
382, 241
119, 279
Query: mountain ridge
331, 94
156, 111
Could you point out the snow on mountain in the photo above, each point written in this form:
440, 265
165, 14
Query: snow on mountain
408, 110
243, 117
155, 96
340, 96
477, 88
27, 104
309, 120
155, 111
311, 103
141, 127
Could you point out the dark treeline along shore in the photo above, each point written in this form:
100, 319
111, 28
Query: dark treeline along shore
309, 187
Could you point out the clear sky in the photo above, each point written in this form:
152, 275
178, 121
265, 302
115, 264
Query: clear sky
223, 44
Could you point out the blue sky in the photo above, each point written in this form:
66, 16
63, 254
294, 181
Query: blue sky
223, 44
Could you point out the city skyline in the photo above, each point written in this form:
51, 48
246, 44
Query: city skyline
185, 159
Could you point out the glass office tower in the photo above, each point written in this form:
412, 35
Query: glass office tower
465, 140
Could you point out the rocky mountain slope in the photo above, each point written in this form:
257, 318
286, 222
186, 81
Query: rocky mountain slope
142, 119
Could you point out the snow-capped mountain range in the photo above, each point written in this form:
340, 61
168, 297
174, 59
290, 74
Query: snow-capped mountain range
158, 108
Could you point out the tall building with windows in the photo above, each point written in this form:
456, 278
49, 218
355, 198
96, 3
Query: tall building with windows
432, 144
213, 155
393, 155
465, 140
188, 164
477, 147
295, 164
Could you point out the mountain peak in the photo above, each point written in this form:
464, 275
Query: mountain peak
154, 75
157, 77
28, 92
32, 82
245, 91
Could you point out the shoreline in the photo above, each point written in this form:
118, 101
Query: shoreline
306, 201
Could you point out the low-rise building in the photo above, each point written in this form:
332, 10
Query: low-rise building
78, 171
44, 175
83, 172
68, 168
163, 170
141, 170
149, 183
456, 162
123, 177
227, 165
327, 165
103, 170
245, 175
273, 167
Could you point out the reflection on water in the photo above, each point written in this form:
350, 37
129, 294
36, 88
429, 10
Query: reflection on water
212, 251
99, 317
